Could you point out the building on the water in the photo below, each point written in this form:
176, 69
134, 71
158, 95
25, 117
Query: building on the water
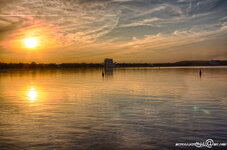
108, 63
213, 63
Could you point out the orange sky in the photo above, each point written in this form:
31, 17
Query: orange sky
125, 30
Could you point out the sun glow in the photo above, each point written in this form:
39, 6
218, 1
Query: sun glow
30, 42
32, 94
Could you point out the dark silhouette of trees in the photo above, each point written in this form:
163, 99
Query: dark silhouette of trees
34, 65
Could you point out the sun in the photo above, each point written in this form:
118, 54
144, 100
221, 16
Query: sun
30, 42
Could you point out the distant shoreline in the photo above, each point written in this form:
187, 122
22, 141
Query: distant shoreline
34, 65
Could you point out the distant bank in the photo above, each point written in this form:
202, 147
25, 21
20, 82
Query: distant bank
34, 65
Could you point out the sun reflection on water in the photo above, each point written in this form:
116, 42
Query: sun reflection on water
32, 94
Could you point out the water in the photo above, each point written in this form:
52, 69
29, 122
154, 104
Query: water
129, 108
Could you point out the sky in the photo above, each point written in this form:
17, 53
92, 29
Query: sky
125, 30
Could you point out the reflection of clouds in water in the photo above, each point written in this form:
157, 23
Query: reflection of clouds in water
77, 106
153, 84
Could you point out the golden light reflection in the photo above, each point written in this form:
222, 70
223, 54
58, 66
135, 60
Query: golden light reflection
32, 94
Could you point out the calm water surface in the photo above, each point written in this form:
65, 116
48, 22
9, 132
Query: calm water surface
129, 108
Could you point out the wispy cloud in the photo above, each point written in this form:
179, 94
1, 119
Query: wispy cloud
92, 30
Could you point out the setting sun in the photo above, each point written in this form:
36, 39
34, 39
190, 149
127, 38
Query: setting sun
30, 42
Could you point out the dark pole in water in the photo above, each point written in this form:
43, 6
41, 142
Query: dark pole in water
200, 72
103, 74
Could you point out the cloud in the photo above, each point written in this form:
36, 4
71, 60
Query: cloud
161, 41
145, 22
70, 19
95, 29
